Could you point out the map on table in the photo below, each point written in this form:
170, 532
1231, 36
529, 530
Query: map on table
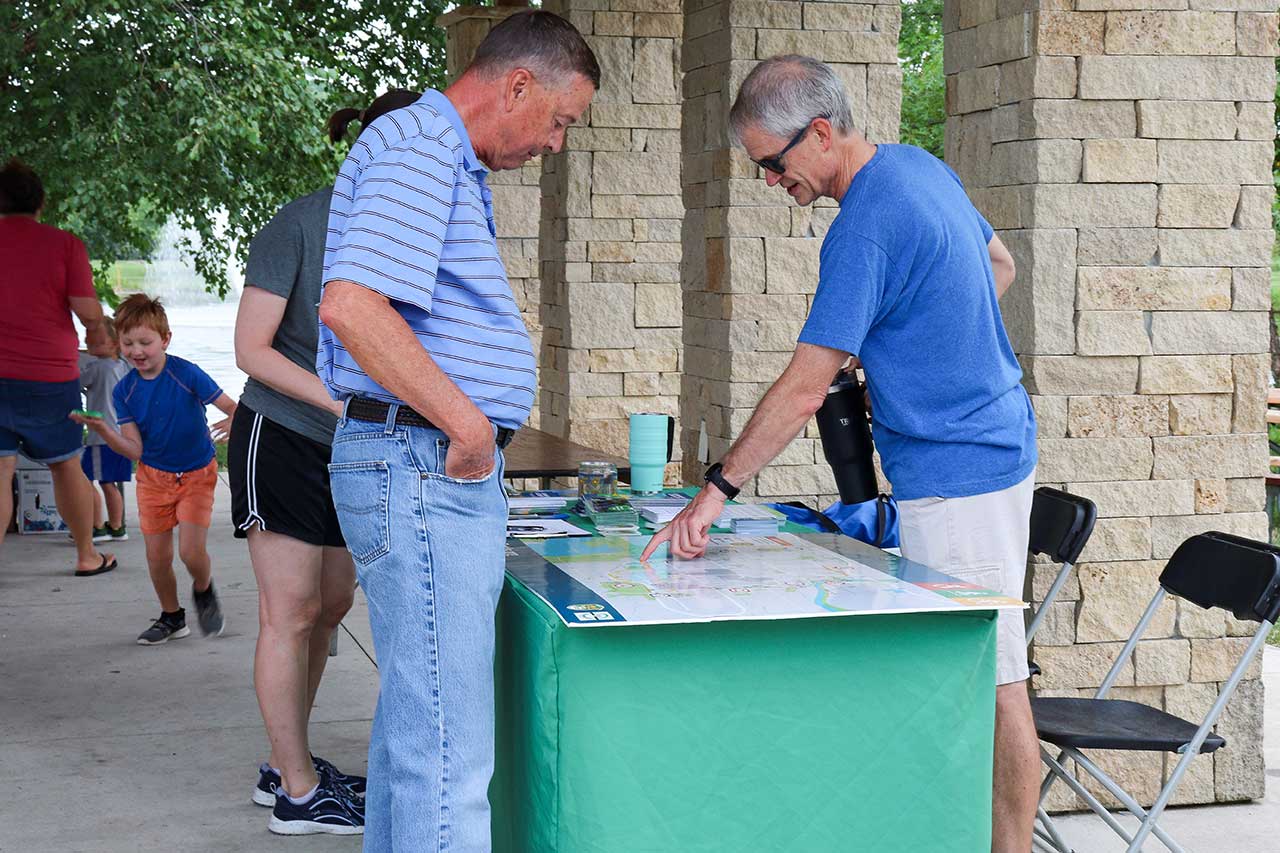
602, 581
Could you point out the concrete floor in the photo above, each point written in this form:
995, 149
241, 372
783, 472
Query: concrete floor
112, 746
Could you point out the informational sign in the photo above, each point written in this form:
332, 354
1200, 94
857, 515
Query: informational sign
602, 581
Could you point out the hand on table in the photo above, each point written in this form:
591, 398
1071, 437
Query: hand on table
687, 532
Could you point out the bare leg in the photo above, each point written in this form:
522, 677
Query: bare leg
160, 565
74, 494
115, 504
8, 464
1016, 772
337, 591
99, 509
288, 573
195, 556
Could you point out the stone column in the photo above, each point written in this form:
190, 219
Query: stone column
610, 237
1122, 149
516, 193
750, 263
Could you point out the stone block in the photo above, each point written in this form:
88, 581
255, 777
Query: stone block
595, 384
658, 25
1168, 532
1051, 416
1117, 416
1134, 498
1079, 119
1198, 78
633, 360
1080, 375
1004, 39
1199, 622
1109, 205
1119, 160
1209, 331
1257, 34
1211, 496
794, 479
1186, 119
1118, 539
1255, 120
884, 102
654, 76
1196, 247
1092, 459
639, 384
657, 305
1083, 665
1153, 288
1128, 5
1040, 577
791, 264
1069, 33
1239, 767
1037, 77
1038, 311
837, 16
1197, 205
1178, 457
1214, 659
600, 314
1188, 161
1161, 33
516, 210
629, 115
1139, 773
1160, 662
1252, 377
779, 335
972, 90
976, 12
1187, 374
1130, 246
1200, 414
1111, 333
1254, 210
1119, 78
635, 173
1246, 494
1035, 161
1113, 597
755, 222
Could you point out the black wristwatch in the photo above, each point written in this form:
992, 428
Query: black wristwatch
716, 478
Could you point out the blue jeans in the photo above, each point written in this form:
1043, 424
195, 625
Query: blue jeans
33, 420
429, 552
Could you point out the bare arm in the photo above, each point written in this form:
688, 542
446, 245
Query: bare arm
89, 312
257, 320
1001, 265
386, 348
781, 414
221, 431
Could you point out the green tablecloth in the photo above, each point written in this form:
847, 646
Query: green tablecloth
857, 733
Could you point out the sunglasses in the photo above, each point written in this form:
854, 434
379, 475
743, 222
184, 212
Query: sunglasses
774, 164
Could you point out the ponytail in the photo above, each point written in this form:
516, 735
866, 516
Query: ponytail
383, 104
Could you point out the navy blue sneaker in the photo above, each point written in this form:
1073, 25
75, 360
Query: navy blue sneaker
330, 810
354, 784
264, 793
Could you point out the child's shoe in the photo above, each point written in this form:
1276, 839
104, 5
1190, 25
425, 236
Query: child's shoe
100, 534
170, 626
115, 534
208, 611
330, 809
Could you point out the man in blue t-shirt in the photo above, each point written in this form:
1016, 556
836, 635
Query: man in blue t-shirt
909, 280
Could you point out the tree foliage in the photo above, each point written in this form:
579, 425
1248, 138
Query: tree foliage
923, 87
208, 111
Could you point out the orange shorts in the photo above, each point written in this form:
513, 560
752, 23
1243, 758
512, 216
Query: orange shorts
166, 500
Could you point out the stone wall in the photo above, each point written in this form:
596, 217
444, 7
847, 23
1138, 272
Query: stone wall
1122, 149
750, 257
610, 238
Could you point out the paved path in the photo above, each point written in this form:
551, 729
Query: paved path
110, 746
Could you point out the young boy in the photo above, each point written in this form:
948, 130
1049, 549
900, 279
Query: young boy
100, 369
160, 406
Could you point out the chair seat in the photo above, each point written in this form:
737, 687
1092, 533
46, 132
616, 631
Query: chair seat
1113, 724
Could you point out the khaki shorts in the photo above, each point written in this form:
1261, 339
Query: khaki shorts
166, 500
980, 539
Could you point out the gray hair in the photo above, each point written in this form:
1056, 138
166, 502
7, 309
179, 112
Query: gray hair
784, 93
546, 44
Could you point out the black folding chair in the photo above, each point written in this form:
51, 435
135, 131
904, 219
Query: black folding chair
1061, 524
1211, 570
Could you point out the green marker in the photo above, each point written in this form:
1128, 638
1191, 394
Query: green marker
88, 413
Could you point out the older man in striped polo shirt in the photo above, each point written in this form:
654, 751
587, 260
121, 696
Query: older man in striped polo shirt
419, 333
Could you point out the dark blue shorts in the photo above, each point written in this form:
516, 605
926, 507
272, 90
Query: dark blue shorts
101, 464
33, 419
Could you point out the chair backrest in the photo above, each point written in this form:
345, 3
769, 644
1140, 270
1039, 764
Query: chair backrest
1060, 524
1220, 570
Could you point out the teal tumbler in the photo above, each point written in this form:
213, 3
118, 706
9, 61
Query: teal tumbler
651, 439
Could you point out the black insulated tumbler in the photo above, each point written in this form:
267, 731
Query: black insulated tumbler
846, 440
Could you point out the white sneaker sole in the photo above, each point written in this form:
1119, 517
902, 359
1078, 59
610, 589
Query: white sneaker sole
124, 537
105, 537
184, 631
262, 798
309, 827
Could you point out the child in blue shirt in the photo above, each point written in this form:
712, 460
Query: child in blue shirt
160, 407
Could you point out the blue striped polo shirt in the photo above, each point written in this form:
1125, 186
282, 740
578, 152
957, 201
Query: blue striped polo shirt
412, 218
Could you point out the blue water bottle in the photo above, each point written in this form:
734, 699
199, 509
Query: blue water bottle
652, 435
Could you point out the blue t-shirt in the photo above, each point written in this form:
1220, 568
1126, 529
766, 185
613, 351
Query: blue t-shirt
905, 283
169, 412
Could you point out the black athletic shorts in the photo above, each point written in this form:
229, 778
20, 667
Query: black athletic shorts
280, 481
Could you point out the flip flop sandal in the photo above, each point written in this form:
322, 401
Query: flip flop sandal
101, 570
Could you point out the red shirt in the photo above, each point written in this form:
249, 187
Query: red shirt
41, 267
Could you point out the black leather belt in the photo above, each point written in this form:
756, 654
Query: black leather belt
375, 411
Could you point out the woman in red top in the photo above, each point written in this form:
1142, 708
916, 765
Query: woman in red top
44, 278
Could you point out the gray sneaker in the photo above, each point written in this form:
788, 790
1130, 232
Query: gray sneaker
208, 611
170, 626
